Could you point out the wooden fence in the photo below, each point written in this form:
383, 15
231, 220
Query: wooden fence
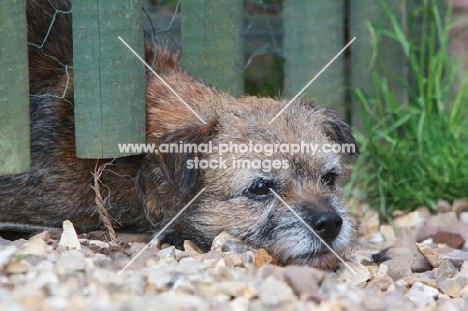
14, 99
109, 101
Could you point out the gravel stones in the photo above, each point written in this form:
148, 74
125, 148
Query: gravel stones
64, 273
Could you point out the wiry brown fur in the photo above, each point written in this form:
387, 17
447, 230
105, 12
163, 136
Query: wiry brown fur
147, 190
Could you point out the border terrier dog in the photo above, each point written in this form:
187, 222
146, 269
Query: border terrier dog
146, 191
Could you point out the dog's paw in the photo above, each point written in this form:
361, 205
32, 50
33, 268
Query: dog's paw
171, 237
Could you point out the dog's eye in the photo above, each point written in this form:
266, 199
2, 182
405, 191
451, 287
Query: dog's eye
329, 178
261, 188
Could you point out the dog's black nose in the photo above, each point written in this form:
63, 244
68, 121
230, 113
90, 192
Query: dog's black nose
327, 225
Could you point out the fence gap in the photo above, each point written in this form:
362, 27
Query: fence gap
109, 80
212, 43
14, 89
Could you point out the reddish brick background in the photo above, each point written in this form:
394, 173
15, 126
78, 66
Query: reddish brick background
461, 4
459, 46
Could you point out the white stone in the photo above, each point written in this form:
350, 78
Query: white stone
69, 238
5, 255
101, 244
421, 295
167, 252
464, 217
357, 275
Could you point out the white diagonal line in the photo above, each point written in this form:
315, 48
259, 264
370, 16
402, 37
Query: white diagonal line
162, 80
313, 231
313, 79
161, 231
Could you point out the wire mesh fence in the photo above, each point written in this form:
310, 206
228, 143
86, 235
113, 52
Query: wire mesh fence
262, 40
267, 53
56, 11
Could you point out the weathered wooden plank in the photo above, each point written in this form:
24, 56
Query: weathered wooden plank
212, 42
313, 35
14, 89
109, 79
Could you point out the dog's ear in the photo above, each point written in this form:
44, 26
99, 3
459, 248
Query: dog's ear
174, 165
339, 131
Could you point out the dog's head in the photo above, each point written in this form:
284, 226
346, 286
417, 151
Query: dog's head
254, 174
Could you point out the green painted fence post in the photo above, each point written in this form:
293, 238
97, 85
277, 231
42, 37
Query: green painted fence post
109, 80
313, 35
14, 89
212, 43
